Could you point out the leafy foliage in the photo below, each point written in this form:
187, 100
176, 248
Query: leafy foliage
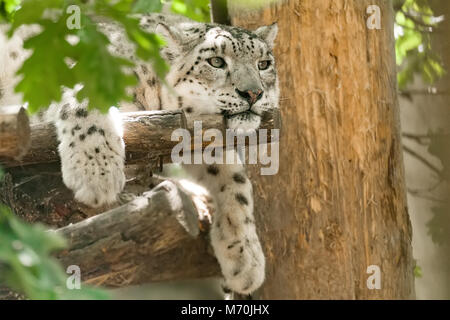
414, 24
26, 264
100, 72
194, 9
102, 75
7, 8
418, 273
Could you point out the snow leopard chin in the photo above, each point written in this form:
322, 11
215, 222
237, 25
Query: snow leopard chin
245, 121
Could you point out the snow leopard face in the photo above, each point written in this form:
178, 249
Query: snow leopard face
221, 70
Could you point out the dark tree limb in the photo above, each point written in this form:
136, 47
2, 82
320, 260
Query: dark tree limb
219, 12
147, 137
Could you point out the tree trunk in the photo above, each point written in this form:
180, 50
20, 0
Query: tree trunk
337, 205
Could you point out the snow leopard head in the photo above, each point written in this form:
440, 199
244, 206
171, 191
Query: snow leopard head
218, 69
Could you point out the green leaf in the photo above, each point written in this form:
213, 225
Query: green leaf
31, 11
418, 272
146, 6
8, 8
45, 71
27, 265
194, 9
104, 81
148, 45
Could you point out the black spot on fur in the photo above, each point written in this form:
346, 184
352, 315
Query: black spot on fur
82, 137
92, 129
229, 222
248, 220
214, 170
189, 110
222, 188
72, 144
97, 150
64, 115
13, 55
102, 132
238, 178
241, 199
76, 128
81, 113
233, 244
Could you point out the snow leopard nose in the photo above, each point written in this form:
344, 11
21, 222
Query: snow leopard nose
251, 95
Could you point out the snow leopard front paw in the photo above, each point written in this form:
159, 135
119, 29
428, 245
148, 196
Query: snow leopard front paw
93, 169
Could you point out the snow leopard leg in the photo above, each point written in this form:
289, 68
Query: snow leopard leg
233, 232
91, 150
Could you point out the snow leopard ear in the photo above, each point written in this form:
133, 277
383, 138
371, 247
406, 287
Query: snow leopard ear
171, 35
268, 34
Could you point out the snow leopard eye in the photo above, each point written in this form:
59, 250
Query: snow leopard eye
264, 65
217, 62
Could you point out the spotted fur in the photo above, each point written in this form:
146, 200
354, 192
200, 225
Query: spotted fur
91, 145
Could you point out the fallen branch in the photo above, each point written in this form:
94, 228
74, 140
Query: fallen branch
147, 137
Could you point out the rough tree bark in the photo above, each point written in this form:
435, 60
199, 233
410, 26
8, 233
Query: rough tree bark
14, 132
338, 203
141, 241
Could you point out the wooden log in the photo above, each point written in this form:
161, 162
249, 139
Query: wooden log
147, 136
14, 132
152, 238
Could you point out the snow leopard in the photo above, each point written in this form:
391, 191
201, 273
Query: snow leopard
214, 69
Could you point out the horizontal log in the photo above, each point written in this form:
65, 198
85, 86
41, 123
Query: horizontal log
154, 237
147, 136
14, 132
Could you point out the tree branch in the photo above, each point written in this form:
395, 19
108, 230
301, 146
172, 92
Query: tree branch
147, 137
154, 237
423, 160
